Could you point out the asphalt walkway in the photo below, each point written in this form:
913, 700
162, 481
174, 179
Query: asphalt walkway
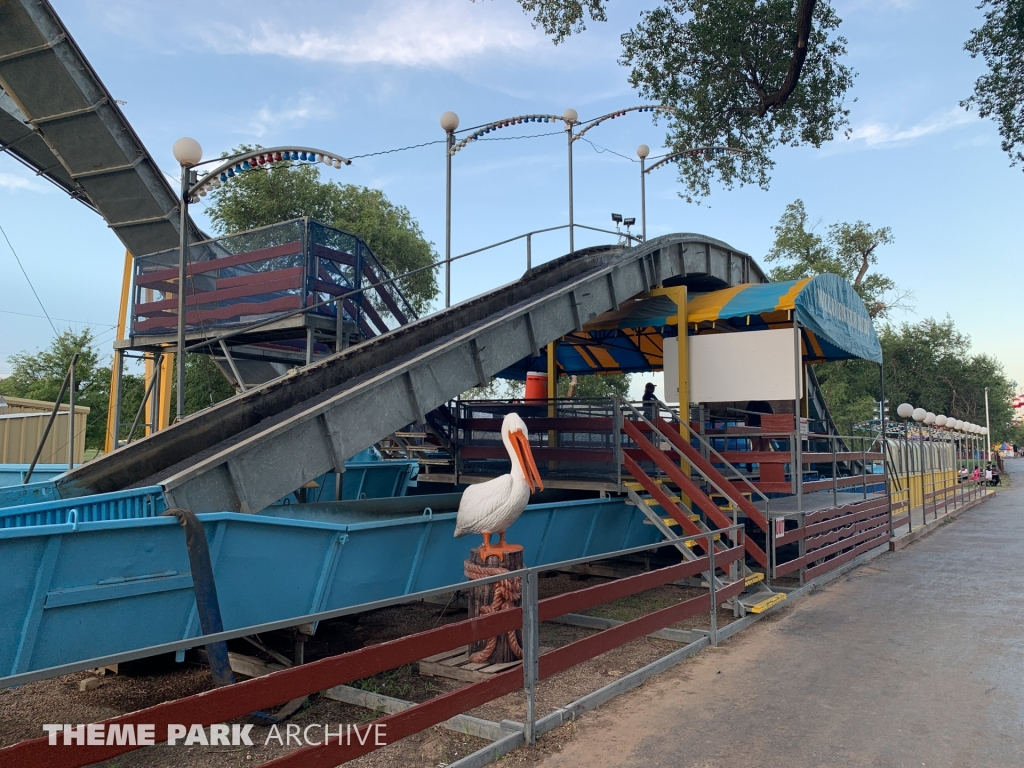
915, 659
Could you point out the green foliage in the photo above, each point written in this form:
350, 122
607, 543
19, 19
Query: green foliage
561, 18
928, 364
598, 386
728, 67
749, 74
205, 385
282, 192
39, 375
847, 250
1000, 92
496, 389
587, 387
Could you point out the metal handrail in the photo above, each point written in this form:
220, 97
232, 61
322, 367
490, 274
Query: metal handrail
682, 455
711, 449
410, 273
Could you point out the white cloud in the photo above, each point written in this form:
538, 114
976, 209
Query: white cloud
267, 121
876, 134
406, 33
10, 181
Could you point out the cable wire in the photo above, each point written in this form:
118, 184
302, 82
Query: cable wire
27, 278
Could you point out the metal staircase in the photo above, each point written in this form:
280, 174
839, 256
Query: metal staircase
683, 489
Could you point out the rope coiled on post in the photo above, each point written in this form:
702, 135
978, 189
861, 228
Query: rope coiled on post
505, 595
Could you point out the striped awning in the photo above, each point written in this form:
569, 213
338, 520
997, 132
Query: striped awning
831, 314
834, 323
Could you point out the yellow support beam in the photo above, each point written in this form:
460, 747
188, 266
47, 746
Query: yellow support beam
122, 319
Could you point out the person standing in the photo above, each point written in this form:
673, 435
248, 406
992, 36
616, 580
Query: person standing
650, 402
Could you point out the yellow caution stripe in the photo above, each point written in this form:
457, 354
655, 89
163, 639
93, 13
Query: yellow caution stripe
764, 605
753, 579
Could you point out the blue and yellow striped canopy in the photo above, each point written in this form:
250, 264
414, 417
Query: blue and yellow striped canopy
835, 322
835, 325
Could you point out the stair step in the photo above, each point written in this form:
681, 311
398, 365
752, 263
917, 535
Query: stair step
671, 521
633, 485
758, 603
753, 578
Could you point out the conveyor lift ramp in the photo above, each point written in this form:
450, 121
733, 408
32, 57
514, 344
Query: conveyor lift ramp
246, 452
58, 118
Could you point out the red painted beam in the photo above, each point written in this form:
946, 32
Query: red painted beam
694, 457
687, 486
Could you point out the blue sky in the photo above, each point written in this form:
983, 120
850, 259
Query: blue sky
357, 78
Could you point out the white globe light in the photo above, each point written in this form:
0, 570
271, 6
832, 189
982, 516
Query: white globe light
905, 410
643, 151
187, 151
449, 121
984, 430
929, 418
919, 414
940, 420
570, 115
958, 425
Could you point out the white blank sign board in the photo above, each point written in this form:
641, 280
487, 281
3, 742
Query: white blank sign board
748, 365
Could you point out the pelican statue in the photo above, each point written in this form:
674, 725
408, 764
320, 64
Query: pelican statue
496, 504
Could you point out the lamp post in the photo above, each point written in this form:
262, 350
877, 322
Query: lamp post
707, 151
571, 117
449, 122
905, 411
188, 153
988, 427
642, 152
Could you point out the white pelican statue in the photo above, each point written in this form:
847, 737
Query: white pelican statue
493, 506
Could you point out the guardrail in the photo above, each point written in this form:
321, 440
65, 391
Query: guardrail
241, 699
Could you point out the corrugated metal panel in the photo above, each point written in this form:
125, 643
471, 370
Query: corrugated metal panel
20, 434
122, 505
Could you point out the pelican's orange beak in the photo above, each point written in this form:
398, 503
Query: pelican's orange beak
521, 446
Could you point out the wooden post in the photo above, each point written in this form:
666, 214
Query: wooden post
481, 602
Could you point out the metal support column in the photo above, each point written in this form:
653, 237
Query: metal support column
71, 413
531, 651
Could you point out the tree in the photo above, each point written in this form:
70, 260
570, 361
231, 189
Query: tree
847, 250
596, 387
748, 74
1000, 92
39, 375
205, 385
929, 364
281, 192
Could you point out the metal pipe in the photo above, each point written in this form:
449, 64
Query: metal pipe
568, 133
448, 219
711, 587
182, 257
71, 413
49, 422
142, 407
531, 652
529, 255
798, 462
988, 430
643, 200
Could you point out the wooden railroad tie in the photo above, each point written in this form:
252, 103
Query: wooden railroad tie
455, 665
